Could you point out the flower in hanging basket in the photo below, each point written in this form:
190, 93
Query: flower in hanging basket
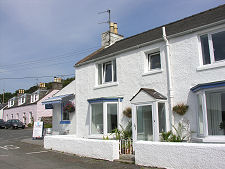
180, 109
69, 107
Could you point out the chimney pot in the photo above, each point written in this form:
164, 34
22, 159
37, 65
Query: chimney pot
115, 28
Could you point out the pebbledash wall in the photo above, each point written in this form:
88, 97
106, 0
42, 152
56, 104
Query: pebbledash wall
100, 149
180, 155
131, 76
56, 116
38, 110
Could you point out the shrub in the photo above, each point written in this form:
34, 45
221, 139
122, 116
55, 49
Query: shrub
30, 125
48, 125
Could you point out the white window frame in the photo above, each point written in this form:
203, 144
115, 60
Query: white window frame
103, 71
211, 49
105, 125
149, 62
205, 134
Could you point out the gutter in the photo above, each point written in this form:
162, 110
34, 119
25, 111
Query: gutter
169, 79
154, 41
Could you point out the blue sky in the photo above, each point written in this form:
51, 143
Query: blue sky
47, 37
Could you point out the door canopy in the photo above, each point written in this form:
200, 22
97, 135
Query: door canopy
146, 95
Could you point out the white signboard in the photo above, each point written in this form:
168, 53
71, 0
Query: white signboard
38, 129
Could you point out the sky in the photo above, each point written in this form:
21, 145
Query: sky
45, 38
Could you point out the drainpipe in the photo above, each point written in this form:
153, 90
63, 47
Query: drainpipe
169, 81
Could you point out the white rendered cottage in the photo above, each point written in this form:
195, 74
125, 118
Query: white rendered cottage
180, 62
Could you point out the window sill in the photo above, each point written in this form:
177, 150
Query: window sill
211, 66
152, 72
106, 85
210, 139
65, 122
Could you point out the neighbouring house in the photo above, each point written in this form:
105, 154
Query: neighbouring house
2, 107
63, 120
27, 107
182, 62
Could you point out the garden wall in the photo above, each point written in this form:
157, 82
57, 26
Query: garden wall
99, 149
180, 155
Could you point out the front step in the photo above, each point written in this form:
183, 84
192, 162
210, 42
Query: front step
126, 158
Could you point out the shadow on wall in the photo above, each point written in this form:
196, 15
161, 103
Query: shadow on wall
191, 114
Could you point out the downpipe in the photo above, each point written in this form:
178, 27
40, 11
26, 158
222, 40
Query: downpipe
169, 79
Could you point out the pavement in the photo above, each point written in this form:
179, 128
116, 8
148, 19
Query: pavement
19, 151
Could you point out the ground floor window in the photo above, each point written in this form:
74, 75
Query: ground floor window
211, 114
65, 113
104, 118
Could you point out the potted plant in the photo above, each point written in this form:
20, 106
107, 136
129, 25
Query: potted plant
180, 109
69, 107
222, 126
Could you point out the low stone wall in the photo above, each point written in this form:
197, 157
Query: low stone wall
99, 149
180, 155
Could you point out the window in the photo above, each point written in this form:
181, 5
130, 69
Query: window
213, 47
65, 114
162, 117
107, 72
211, 113
97, 118
215, 102
98, 112
154, 61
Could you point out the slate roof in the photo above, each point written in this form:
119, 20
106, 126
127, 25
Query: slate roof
2, 105
152, 93
29, 103
195, 21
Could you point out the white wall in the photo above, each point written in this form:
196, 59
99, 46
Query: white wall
99, 149
185, 59
180, 155
56, 118
130, 78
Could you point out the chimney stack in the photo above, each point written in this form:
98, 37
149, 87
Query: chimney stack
57, 84
20, 92
113, 33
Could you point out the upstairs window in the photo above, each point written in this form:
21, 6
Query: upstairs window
213, 47
22, 100
154, 61
107, 72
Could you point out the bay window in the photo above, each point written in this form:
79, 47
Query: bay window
212, 45
103, 117
107, 72
211, 113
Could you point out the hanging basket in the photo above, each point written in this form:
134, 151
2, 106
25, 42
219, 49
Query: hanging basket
69, 107
180, 109
128, 112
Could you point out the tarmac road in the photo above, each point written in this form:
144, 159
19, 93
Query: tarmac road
15, 154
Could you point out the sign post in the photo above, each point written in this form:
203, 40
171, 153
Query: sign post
38, 130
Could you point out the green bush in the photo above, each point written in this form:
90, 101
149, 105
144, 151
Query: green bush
30, 125
48, 125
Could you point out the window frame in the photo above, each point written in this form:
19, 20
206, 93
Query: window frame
149, 60
105, 113
202, 95
211, 49
103, 70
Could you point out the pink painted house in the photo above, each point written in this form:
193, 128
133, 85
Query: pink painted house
28, 107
